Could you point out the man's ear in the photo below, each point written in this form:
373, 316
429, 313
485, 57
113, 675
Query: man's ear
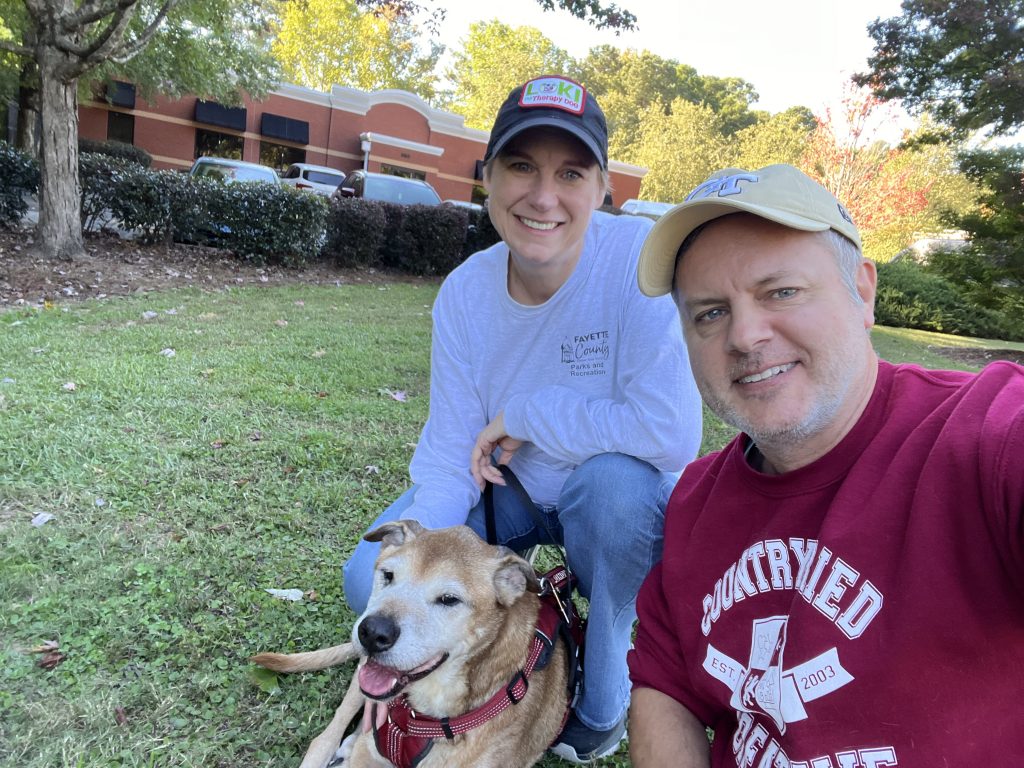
867, 287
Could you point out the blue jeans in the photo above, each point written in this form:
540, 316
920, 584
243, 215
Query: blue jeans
609, 518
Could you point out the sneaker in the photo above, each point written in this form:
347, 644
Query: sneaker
579, 744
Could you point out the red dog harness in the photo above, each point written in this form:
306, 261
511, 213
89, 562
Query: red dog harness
407, 736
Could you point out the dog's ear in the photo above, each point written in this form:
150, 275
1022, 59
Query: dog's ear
395, 534
513, 577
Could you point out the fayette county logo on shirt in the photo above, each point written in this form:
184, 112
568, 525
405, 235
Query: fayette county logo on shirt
586, 354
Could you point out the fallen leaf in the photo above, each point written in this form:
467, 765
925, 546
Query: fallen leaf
286, 594
372, 469
42, 519
319, 353
256, 436
51, 659
119, 716
266, 679
312, 595
45, 647
281, 323
218, 444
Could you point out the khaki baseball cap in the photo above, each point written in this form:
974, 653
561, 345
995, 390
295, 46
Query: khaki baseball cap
780, 193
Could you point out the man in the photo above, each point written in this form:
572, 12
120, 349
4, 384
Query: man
843, 585
546, 357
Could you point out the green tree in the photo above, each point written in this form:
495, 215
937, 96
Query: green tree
494, 59
320, 43
680, 147
961, 60
991, 269
627, 82
780, 138
70, 44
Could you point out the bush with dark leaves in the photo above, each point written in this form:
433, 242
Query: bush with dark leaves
19, 177
911, 297
117, 150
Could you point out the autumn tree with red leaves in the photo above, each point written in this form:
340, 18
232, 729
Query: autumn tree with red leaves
847, 156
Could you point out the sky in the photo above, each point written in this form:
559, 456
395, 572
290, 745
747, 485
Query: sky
794, 52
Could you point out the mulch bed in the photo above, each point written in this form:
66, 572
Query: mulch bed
116, 267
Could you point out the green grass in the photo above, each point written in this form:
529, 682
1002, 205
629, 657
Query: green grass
181, 488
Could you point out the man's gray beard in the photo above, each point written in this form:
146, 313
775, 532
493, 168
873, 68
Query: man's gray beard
821, 415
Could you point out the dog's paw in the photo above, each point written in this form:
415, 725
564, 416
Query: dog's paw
343, 753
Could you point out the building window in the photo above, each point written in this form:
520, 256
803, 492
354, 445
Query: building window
405, 173
120, 127
215, 144
279, 156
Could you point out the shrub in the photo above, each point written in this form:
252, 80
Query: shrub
269, 223
430, 240
481, 233
19, 176
117, 150
910, 297
161, 205
415, 239
356, 231
100, 177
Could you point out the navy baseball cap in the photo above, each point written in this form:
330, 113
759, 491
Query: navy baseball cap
556, 101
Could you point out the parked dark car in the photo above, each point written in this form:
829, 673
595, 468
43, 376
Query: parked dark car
386, 188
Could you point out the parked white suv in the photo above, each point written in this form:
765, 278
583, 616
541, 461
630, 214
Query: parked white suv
313, 178
230, 171
648, 208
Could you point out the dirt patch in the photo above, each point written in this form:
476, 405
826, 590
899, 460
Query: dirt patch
980, 357
116, 267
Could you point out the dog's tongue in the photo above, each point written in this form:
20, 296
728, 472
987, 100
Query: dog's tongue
377, 680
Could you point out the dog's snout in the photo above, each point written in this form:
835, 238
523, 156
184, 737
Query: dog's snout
378, 633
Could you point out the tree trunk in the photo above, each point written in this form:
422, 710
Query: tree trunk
60, 227
27, 136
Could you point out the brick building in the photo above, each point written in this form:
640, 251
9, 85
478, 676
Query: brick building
389, 131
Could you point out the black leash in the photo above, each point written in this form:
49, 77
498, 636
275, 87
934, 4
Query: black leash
512, 482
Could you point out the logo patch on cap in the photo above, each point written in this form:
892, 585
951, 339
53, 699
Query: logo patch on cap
557, 92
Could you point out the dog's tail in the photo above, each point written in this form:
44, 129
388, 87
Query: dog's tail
306, 662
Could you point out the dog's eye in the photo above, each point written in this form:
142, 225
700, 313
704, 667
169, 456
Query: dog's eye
387, 576
448, 600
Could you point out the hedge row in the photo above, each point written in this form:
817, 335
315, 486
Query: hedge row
909, 296
415, 239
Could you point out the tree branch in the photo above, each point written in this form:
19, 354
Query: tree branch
121, 19
93, 11
128, 50
111, 45
20, 50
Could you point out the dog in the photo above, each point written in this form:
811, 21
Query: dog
463, 663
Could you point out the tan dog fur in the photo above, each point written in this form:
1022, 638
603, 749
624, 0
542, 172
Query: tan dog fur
486, 633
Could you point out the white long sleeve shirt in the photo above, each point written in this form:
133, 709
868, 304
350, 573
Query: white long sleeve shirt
597, 368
